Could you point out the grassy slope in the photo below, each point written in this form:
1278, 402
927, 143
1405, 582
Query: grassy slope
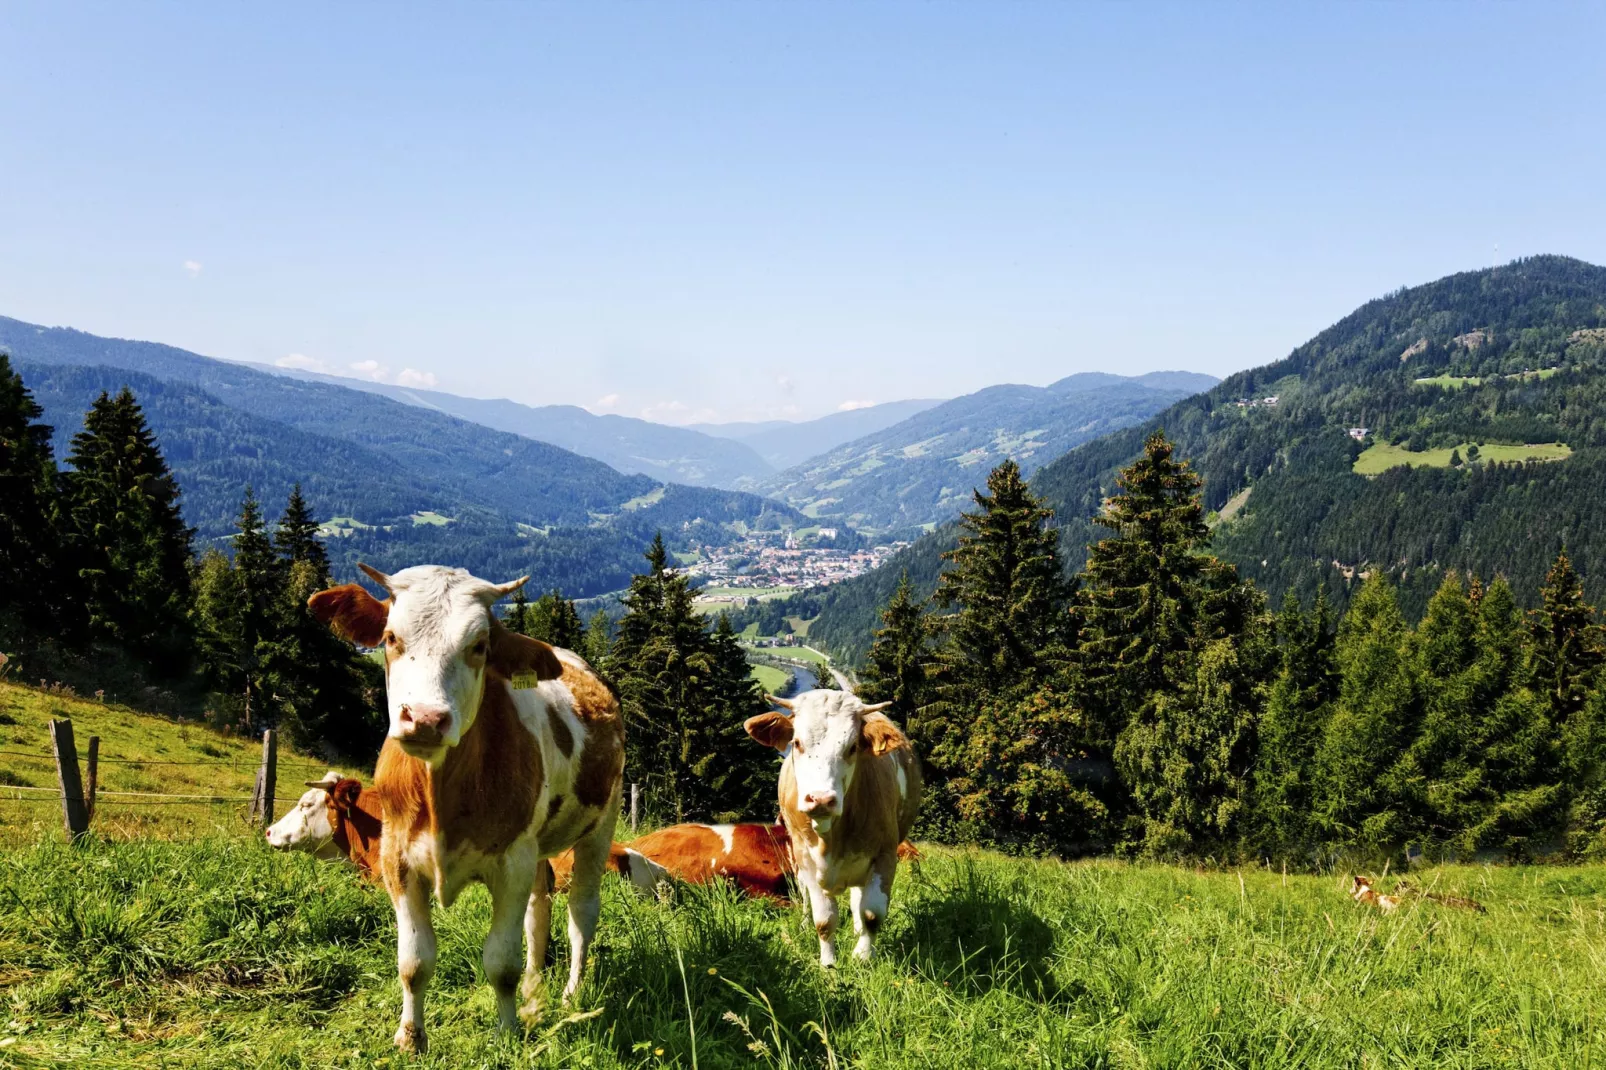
770, 678
218, 952
221, 953
124, 734
1382, 456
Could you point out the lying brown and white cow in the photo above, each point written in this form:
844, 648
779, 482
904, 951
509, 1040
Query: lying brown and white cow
336, 818
502, 752
757, 858
849, 791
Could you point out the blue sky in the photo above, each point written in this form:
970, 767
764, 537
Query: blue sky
738, 211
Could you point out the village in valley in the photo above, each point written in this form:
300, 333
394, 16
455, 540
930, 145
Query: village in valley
769, 563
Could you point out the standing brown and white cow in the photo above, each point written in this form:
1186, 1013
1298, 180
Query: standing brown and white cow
849, 791
502, 752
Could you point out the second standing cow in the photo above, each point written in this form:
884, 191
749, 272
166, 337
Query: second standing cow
849, 791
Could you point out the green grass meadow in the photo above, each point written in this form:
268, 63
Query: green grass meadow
1382, 456
170, 944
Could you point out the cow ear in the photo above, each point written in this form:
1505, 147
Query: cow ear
352, 613
344, 794
771, 729
881, 735
518, 656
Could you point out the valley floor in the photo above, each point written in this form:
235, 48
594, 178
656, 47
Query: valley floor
220, 953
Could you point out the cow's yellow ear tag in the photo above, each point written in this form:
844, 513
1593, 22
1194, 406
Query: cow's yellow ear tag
523, 681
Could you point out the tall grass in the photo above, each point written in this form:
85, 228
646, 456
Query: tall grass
220, 953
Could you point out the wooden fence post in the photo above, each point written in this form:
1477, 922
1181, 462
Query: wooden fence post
72, 788
93, 764
635, 796
270, 766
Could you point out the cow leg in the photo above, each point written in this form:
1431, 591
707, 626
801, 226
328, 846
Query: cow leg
870, 905
537, 931
823, 908
585, 891
504, 950
415, 959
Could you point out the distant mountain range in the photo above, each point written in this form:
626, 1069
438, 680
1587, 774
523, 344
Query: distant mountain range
672, 454
922, 470
408, 483
1453, 425
783, 443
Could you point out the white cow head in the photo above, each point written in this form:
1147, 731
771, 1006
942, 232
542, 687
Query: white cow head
824, 737
440, 638
307, 826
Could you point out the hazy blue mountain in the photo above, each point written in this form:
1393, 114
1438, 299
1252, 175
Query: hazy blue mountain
922, 470
783, 444
672, 454
413, 484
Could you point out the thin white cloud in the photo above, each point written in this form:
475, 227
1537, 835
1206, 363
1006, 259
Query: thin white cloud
371, 369
302, 362
666, 412
193, 267
606, 401
414, 377
849, 406
785, 383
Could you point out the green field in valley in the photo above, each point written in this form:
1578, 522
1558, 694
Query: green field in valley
799, 653
206, 949
1456, 382
770, 678
1382, 456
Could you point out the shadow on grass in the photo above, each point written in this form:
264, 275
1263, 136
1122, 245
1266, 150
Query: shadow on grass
975, 932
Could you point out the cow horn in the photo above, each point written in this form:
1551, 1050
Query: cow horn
877, 708
495, 592
375, 575
781, 702
324, 784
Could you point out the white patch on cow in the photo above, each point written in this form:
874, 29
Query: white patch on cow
825, 743
305, 826
903, 780
437, 616
726, 834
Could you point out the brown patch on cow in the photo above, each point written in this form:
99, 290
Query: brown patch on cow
824, 928
553, 807
351, 613
482, 795
602, 754
591, 826
513, 655
357, 818
771, 729
621, 862
560, 732
881, 735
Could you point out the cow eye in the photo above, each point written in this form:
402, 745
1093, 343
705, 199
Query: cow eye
479, 648
797, 745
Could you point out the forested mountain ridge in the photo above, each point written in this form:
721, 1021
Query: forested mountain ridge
1514, 354
922, 470
409, 484
632, 446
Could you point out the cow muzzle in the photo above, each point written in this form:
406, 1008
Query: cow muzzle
423, 729
821, 804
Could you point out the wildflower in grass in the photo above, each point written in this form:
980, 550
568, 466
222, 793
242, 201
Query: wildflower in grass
712, 972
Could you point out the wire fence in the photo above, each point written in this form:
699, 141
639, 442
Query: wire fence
81, 797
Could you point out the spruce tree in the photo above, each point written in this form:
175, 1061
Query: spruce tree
598, 639
296, 536
1005, 587
517, 617
898, 666
1144, 589
680, 739
553, 619
1567, 642
261, 580
325, 693
125, 534
1297, 706
1360, 800
30, 568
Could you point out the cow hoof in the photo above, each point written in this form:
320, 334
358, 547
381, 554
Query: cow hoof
411, 1038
